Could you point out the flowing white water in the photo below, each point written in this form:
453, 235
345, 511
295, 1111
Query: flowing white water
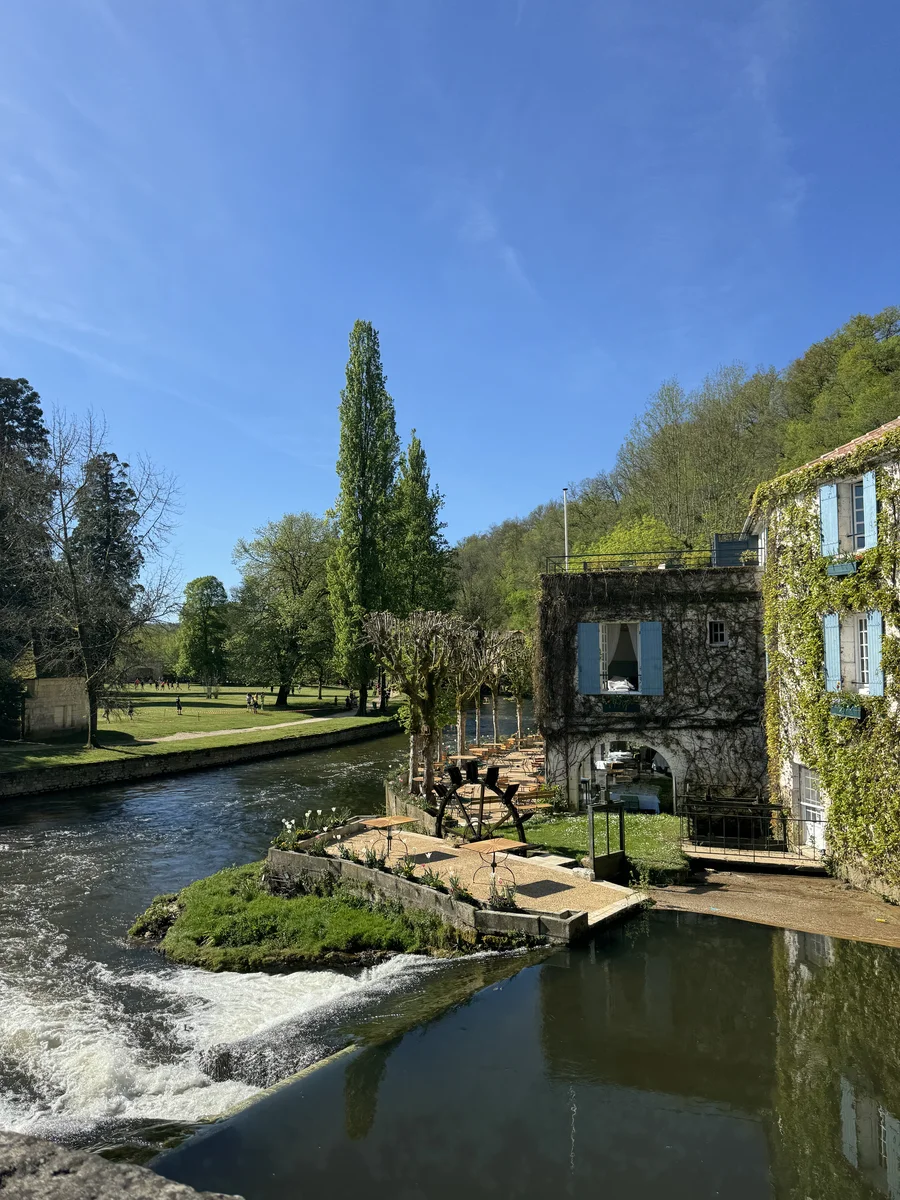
82, 1055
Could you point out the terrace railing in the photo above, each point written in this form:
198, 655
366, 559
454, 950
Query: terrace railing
756, 832
645, 560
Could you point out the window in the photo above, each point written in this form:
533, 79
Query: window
620, 657
862, 651
852, 647
718, 633
848, 516
859, 517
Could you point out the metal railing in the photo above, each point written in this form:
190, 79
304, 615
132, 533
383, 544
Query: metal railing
750, 831
642, 560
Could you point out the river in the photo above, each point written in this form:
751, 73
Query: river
96, 1034
683, 1055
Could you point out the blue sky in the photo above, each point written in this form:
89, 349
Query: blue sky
545, 206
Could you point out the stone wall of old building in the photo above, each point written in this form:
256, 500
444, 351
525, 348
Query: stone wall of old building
708, 723
55, 706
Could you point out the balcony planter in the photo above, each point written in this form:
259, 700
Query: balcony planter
853, 711
848, 567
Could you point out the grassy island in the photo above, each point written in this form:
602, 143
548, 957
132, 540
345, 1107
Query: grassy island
230, 922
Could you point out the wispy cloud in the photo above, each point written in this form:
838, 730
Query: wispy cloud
479, 227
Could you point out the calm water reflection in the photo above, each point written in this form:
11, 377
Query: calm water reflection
685, 1056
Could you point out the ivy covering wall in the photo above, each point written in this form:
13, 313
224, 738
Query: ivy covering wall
858, 761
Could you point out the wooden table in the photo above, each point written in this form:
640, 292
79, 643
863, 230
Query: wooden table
389, 824
488, 850
386, 822
497, 845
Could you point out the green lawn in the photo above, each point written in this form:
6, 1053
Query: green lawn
155, 716
227, 922
652, 841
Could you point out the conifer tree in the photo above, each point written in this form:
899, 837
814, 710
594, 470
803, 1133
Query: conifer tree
359, 570
421, 556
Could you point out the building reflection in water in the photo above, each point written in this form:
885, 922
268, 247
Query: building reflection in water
838, 1067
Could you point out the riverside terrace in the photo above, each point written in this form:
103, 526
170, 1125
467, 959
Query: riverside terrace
488, 887
662, 651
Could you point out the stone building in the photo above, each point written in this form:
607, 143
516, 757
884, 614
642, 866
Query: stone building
667, 656
829, 537
50, 704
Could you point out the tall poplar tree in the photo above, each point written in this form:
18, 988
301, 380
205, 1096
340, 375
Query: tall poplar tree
359, 575
421, 566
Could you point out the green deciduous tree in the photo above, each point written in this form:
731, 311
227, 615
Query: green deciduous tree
421, 559
203, 631
106, 580
359, 575
282, 616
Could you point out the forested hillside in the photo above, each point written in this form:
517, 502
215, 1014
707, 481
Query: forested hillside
691, 462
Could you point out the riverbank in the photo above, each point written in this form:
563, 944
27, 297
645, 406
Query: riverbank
809, 904
52, 772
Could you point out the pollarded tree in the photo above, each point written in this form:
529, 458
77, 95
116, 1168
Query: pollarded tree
463, 676
417, 652
520, 671
493, 649
359, 569
203, 631
422, 560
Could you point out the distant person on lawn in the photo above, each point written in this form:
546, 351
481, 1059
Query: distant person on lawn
178, 705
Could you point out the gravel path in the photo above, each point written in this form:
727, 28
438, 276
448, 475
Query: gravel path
812, 904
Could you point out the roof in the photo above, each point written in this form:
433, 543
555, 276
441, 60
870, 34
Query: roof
816, 470
844, 450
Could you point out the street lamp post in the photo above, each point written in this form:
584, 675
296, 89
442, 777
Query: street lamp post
566, 524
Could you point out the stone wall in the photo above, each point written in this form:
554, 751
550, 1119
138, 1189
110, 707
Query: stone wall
708, 723
290, 872
36, 781
32, 1169
55, 705
398, 804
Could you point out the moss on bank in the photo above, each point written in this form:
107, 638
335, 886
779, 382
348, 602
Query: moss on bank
229, 922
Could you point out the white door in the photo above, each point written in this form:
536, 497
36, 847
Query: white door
812, 810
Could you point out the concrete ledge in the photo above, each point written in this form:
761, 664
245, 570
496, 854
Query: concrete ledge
32, 1169
57, 779
290, 873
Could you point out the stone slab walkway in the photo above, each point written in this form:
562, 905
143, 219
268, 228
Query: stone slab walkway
811, 904
539, 887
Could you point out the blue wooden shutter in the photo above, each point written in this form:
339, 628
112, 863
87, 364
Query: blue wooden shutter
876, 674
651, 662
828, 518
870, 509
588, 658
831, 627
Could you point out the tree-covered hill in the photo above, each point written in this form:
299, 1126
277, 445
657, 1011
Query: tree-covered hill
691, 462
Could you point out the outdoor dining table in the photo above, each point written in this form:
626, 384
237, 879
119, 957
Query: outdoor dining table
488, 851
388, 824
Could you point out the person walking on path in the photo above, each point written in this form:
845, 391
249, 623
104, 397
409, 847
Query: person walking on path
178, 705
